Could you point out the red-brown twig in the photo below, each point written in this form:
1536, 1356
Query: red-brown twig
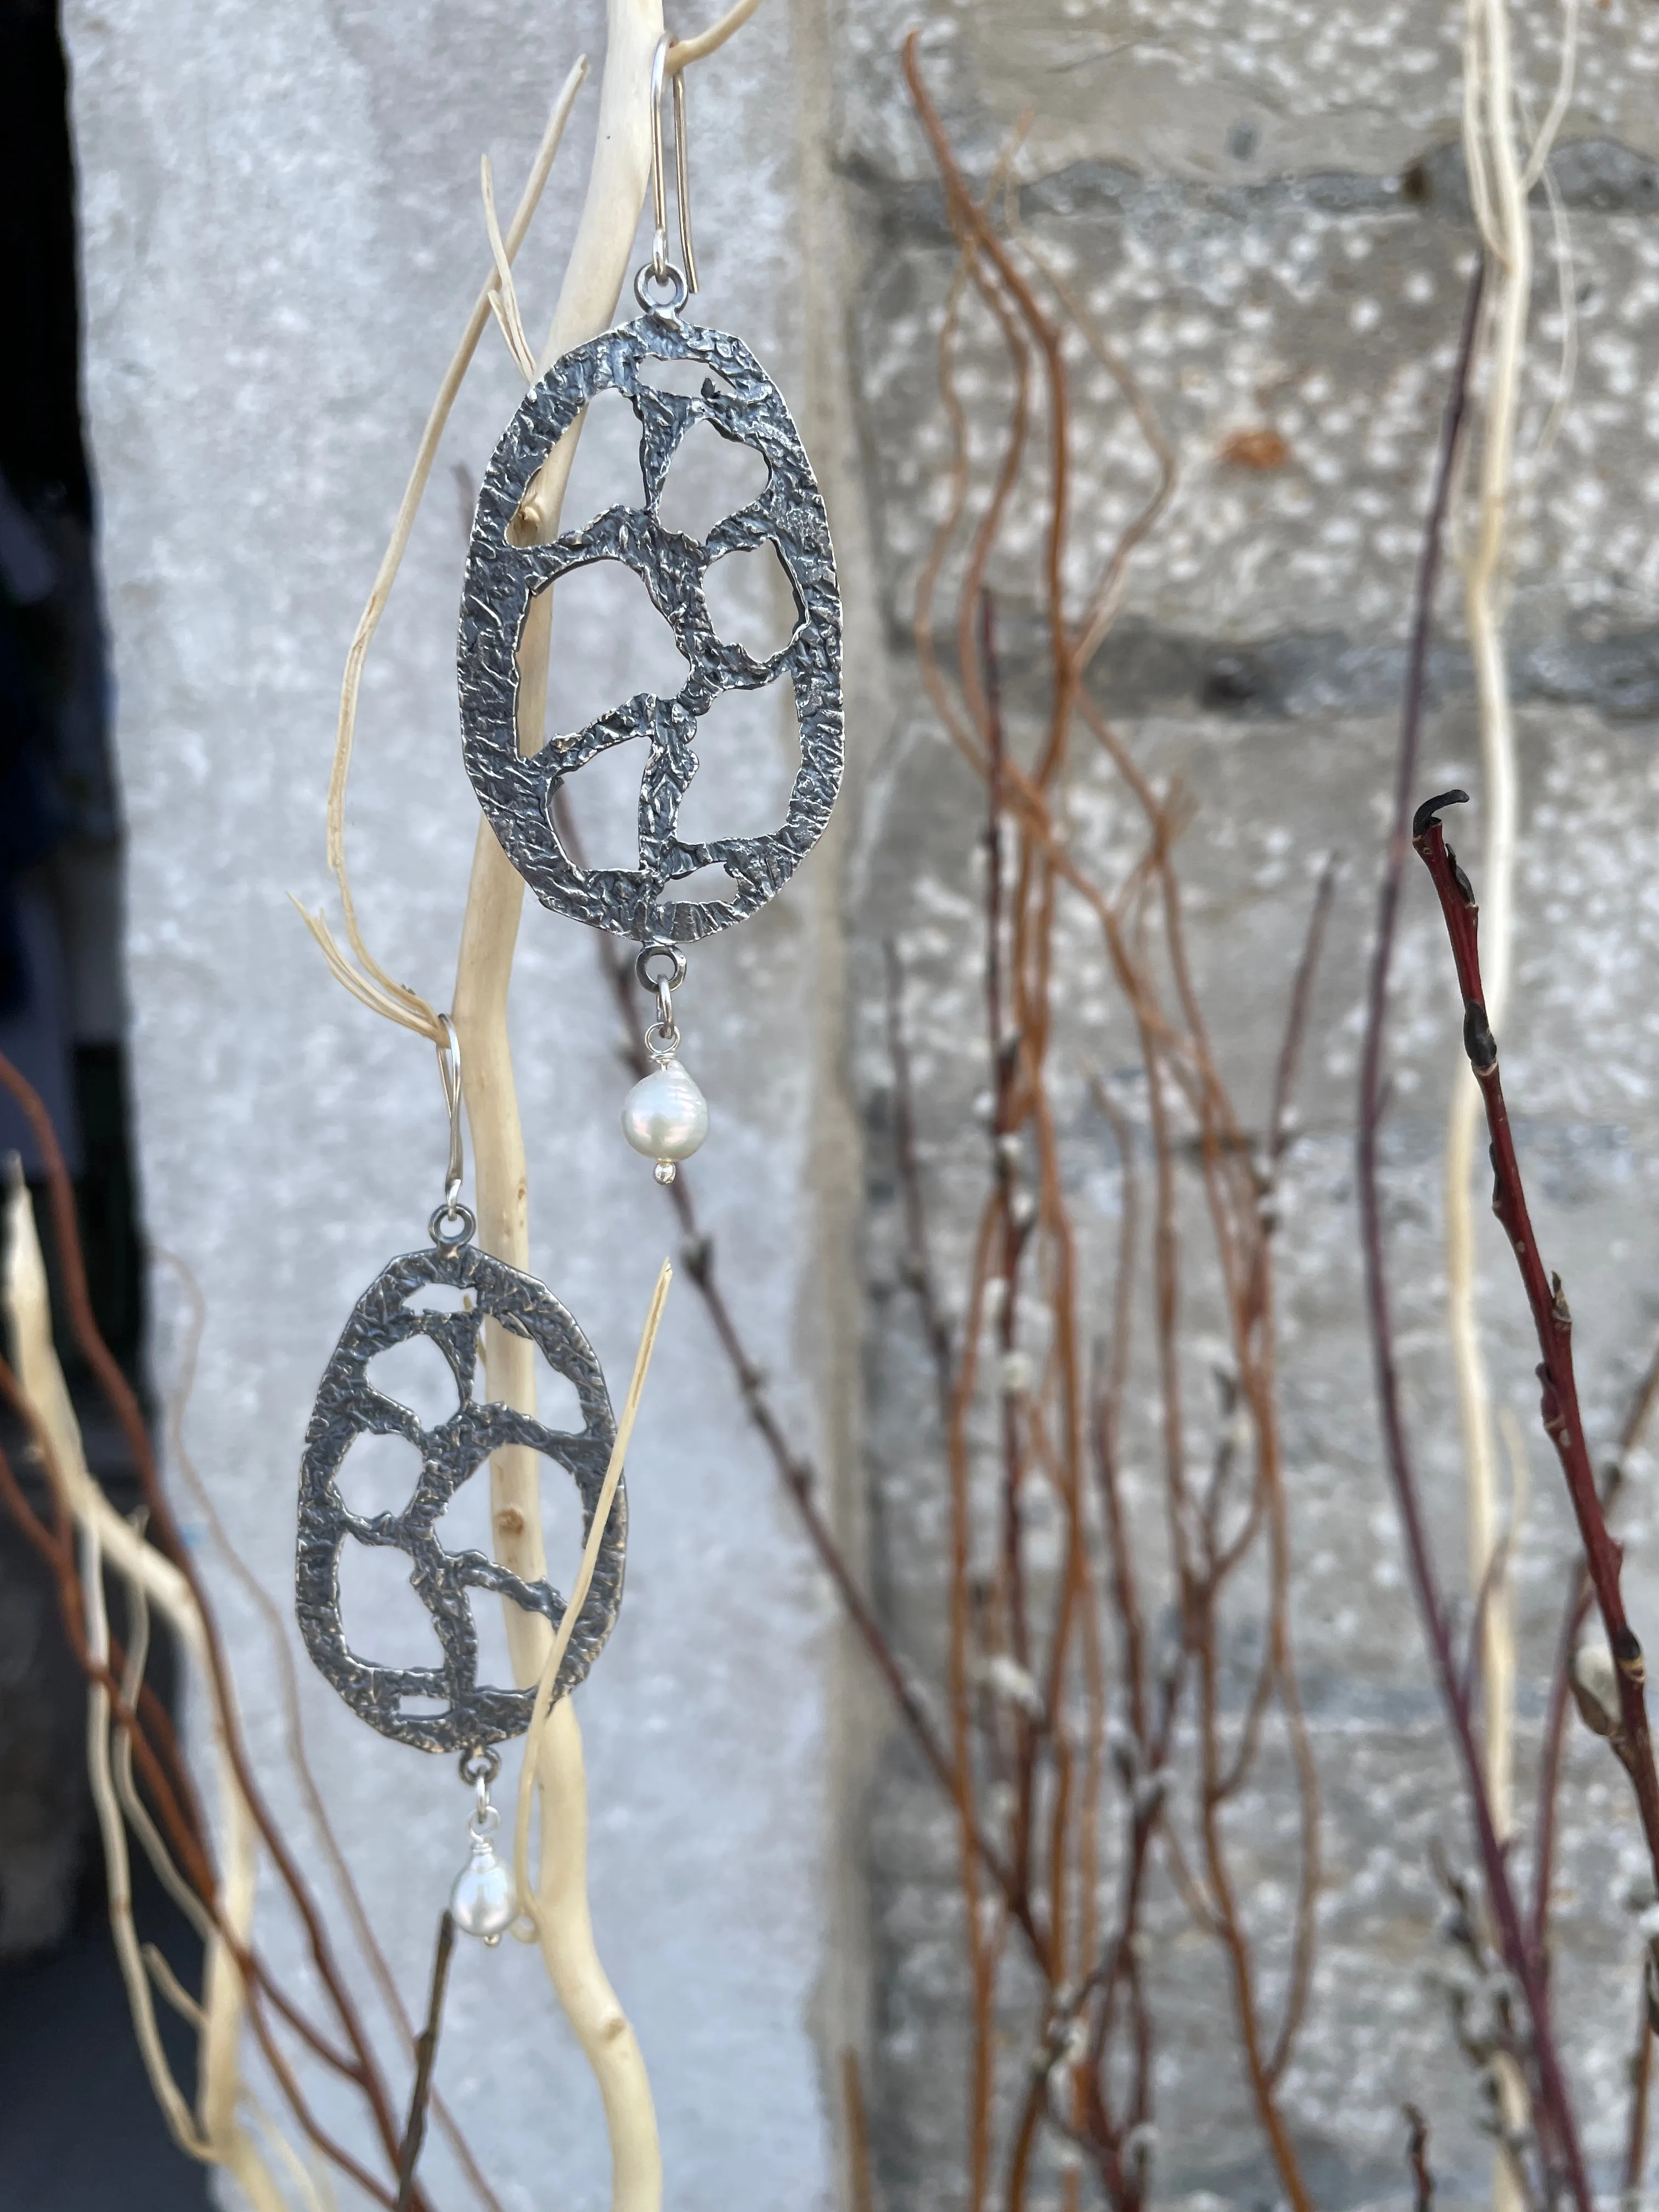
1562, 1422
1641, 2081
1573, 1614
1417, 2157
1518, 1954
1037, 1633
918, 1258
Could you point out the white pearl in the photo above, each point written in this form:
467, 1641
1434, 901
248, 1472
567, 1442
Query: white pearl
664, 1116
482, 1901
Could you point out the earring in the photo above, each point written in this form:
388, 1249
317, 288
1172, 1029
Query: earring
665, 1116
446, 1708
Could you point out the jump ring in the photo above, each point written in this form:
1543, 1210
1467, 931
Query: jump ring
660, 949
447, 1213
662, 1040
679, 291
480, 1765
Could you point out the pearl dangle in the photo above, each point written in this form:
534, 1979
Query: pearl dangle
481, 1900
664, 1116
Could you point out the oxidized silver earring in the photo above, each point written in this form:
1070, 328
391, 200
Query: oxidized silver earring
665, 1116
445, 1294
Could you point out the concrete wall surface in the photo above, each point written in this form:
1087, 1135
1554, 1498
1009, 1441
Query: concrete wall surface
1262, 209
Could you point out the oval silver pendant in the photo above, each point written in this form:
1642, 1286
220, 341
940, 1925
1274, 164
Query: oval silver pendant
470, 1714
517, 790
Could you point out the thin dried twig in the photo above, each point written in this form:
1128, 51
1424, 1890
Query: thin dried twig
1417, 2157
369, 981
1519, 1957
1574, 1614
426, 2054
1038, 1433
1563, 1421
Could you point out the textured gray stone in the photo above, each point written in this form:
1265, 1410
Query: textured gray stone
1335, 332
1270, 225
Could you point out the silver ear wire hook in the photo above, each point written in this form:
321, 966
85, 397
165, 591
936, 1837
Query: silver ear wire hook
452, 1213
449, 1069
662, 269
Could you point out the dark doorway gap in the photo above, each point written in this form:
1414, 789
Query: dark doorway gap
65, 2021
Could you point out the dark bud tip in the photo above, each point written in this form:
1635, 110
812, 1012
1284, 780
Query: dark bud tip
1423, 820
1479, 1042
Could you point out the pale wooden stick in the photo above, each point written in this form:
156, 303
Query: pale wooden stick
316, 2192
1500, 180
560, 1643
586, 304
1493, 155
137, 1813
171, 1987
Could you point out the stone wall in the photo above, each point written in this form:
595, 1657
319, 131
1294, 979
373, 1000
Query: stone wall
1264, 212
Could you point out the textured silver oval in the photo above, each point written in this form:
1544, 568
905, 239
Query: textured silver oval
516, 791
348, 1407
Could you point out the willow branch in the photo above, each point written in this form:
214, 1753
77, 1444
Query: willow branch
1518, 1954
1552, 1320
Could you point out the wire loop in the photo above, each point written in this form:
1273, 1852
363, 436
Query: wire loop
451, 1226
449, 1071
659, 269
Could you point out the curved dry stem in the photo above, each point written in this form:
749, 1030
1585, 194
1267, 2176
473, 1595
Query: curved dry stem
381, 992
175, 2107
682, 52
504, 293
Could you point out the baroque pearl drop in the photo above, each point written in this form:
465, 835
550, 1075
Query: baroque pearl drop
482, 1901
665, 1116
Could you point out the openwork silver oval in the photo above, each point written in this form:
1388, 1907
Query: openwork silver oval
516, 791
348, 1407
